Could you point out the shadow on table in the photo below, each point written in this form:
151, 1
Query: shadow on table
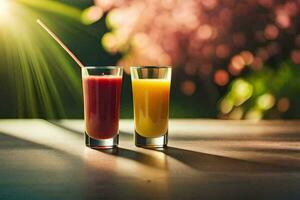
241, 137
9, 142
270, 150
198, 161
142, 158
214, 163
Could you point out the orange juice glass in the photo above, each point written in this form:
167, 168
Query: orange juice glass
151, 95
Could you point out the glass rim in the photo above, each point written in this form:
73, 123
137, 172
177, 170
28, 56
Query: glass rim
102, 67
151, 67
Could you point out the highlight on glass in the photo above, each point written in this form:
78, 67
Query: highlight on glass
151, 95
101, 94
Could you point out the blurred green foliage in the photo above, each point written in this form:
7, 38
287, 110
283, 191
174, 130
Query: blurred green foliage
268, 93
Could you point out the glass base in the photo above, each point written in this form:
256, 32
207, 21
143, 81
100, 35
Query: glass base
145, 142
101, 144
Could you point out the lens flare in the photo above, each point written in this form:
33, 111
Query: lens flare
40, 73
4, 10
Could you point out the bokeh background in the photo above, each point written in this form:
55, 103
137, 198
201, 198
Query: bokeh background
231, 59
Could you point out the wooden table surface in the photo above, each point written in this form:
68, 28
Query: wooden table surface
206, 159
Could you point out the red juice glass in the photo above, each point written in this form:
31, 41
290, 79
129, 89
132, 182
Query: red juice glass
101, 95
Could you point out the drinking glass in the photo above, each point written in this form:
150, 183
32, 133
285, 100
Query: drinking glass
101, 94
151, 91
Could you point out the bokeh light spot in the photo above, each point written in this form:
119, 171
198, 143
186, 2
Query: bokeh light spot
91, 15
266, 101
247, 57
254, 114
236, 65
283, 20
241, 91
204, 32
226, 105
295, 56
237, 113
283, 104
221, 77
188, 87
271, 32
110, 42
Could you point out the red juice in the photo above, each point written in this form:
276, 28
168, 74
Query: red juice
102, 105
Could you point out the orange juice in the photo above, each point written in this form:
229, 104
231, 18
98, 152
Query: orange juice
151, 106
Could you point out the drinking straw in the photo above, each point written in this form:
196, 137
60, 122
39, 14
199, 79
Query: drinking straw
55, 37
